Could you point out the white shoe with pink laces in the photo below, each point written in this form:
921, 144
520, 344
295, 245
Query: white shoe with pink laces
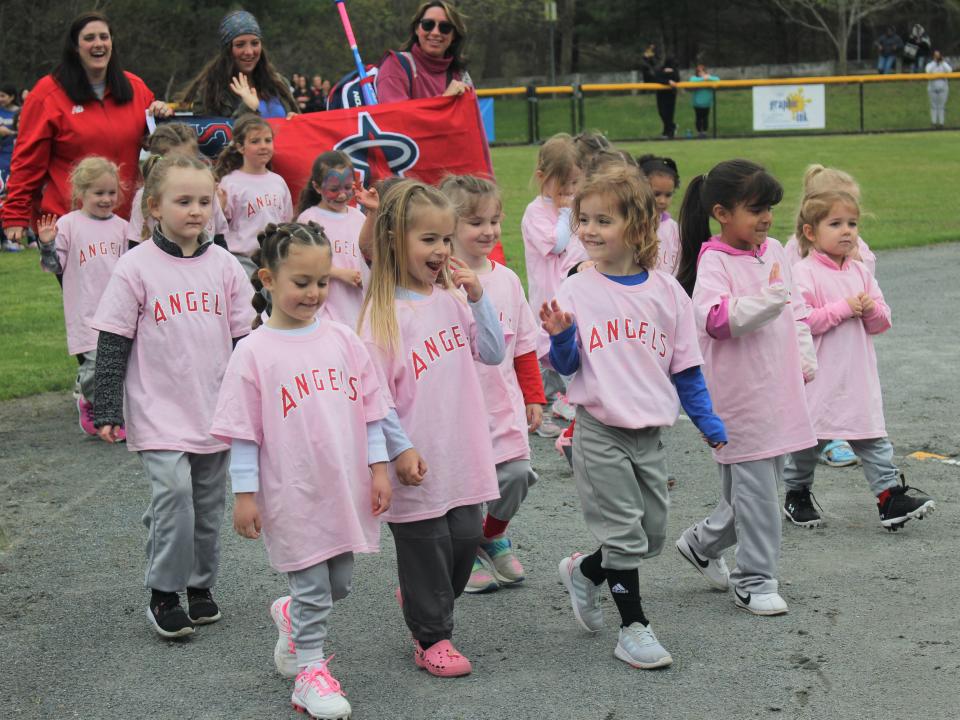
317, 693
284, 652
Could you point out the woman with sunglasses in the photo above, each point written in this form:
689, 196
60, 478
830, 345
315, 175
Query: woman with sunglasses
435, 45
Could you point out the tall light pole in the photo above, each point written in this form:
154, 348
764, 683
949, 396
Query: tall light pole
550, 14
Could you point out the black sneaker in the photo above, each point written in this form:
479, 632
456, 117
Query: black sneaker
900, 507
203, 610
168, 618
798, 507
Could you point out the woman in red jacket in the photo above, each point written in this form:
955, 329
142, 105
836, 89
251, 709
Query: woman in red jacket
87, 106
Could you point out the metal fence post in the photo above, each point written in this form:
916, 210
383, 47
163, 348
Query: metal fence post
533, 116
861, 106
580, 101
573, 108
716, 111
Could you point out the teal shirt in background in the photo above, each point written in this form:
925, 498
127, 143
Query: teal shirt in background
703, 98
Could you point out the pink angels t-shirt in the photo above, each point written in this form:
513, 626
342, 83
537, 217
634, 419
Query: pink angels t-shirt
755, 380
306, 401
343, 230
432, 382
253, 202
89, 250
867, 256
216, 226
668, 254
506, 409
632, 338
546, 269
182, 315
844, 398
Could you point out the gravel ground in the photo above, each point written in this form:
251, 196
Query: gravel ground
873, 627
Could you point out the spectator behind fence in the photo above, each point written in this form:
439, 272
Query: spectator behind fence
649, 62
916, 53
702, 99
241, 78
889, 46
667, 74
938, 89
87, 106
319, 89
301, 93
437, 37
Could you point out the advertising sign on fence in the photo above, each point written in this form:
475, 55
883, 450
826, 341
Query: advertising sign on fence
789, 107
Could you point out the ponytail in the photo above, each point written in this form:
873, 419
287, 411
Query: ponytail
694, 231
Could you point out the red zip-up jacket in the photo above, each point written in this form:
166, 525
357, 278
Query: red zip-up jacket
55, 134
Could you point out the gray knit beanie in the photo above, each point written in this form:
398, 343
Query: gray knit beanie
238, 23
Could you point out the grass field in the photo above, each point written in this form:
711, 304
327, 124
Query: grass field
886, 106
909, 186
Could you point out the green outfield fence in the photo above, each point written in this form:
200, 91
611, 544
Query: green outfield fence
627, 111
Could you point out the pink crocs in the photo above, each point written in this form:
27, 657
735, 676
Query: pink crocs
441, 659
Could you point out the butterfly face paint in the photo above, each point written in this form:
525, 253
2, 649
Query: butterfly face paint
337, 188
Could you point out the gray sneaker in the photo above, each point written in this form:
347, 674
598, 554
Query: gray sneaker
639, 648
584, 595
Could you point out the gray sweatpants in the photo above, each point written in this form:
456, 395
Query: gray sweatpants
748, 516
313, 591
183, 518
434, 560
938, 104
621, 478
515, 478
247, 263
88, 363
553, 383
876, 454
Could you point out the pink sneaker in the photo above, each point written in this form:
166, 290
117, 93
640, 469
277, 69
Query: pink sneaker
121, 435
284, 652
86, 416
318, 694
441, 659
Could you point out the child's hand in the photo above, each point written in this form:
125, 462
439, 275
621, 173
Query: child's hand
367, 198
246, 516
563, 201
241, 87
714, 445
867, 305
464, 277
109, 433
775, 277
534, 416
585, 265
47, 229
855, 253
410, 467
381, 490
222, 198
555, 320
856, 305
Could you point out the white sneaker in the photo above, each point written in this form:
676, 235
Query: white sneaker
638, 647
548, 429
584, 595
284, 652
317, 693
760, 603
562, 408
715, 571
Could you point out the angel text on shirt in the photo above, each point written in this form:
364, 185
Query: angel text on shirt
98, 249
615, 330
435, 347
182, 303
322, 381
261, 201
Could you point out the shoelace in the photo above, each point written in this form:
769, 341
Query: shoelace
319, 676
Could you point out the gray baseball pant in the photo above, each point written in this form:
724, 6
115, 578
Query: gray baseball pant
183, 518
313, 591
876, 455
621, 478
514, 478
748, 516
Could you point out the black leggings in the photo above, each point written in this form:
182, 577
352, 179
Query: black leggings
703, 119
666, 106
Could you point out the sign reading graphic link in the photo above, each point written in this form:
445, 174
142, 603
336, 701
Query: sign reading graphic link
789, 107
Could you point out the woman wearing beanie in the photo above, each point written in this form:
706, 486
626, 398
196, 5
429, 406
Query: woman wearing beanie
241, 78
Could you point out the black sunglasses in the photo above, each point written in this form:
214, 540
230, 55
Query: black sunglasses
443, 26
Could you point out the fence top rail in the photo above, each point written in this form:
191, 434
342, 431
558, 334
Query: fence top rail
720, 84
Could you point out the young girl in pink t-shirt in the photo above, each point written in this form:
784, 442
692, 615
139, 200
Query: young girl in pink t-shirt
845, 401
168, 321
625, 331
424, 337
172, 137
293, 386
664, 179
757, 354
551, 248
513, 389
251, 195
84, 247
325, 200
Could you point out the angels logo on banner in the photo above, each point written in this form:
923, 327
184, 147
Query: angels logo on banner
399, 152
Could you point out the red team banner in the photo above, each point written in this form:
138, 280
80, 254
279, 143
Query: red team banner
422, 139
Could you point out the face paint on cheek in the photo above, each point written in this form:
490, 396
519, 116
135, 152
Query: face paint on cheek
338, 186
